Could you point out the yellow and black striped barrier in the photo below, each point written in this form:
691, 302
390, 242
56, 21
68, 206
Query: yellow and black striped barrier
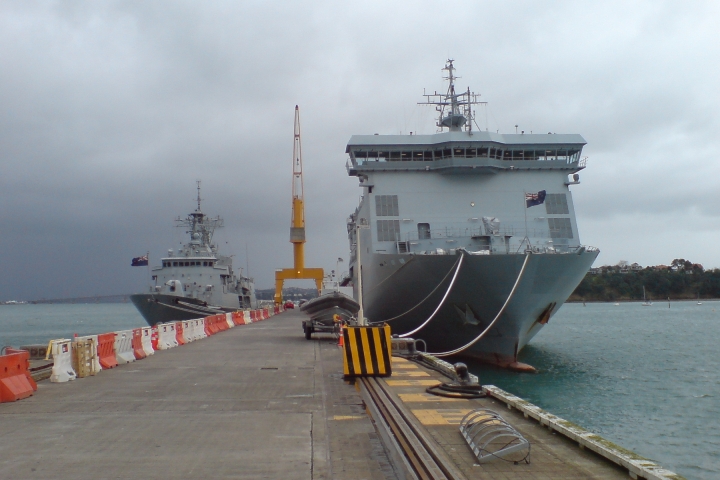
367, 351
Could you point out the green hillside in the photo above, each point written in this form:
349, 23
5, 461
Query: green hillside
681, 280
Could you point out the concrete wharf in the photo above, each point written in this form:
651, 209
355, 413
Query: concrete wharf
257, 401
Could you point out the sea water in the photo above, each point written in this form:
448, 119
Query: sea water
37, 324
647, 378
644, 377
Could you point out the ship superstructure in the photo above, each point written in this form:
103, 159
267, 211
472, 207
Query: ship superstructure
196, 280
468, 238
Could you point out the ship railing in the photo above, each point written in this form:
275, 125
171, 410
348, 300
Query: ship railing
476, 231
424, 159
509, 249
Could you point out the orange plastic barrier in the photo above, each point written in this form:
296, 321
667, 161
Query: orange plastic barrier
137, 346
106, 350
179, 336
206, 326
154, 338
211, 325
238, 318
221, 322
253, 316
15, 380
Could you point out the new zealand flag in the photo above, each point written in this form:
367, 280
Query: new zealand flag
532, 199
140, 261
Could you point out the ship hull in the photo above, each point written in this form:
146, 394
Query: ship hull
159, 308
405, 290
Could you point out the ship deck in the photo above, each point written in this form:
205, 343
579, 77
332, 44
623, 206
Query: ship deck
256, 401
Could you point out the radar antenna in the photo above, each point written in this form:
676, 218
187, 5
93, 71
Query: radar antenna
455, 109
200, 227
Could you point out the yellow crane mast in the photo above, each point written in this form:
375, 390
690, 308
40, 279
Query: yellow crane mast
297, 226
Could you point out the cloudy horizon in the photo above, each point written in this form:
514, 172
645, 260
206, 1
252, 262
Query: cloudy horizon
112, 110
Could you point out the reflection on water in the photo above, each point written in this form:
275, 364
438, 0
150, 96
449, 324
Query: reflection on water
645, 377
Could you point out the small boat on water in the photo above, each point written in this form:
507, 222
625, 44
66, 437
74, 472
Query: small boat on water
645, 303
334, 300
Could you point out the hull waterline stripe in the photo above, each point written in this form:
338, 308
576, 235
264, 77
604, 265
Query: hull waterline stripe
477, 339
442, 302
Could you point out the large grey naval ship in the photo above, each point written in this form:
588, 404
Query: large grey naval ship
466, 239
196, 281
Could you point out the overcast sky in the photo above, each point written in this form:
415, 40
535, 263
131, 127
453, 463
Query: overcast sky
110, 111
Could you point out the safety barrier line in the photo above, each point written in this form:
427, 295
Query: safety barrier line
86, 356
15, 380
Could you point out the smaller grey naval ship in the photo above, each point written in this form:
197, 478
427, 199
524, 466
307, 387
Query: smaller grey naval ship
196, 281
466, 239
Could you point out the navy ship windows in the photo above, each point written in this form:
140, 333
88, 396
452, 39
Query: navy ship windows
556, 204
386, 205
560, 228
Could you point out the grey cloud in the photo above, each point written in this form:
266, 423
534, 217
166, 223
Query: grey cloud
110, 111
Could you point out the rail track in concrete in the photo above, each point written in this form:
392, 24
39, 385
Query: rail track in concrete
402, 433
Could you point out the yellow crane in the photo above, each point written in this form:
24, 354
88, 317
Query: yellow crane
297, 226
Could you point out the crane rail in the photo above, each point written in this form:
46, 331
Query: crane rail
418, 453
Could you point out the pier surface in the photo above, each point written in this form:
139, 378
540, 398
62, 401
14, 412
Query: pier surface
256, 401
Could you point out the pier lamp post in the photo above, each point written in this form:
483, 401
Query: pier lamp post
361, 314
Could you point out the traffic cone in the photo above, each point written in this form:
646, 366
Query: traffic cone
341, 339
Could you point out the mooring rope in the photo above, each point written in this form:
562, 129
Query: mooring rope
477, 339
452, 282
421, 301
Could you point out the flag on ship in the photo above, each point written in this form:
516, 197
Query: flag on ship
532, 199
140, 261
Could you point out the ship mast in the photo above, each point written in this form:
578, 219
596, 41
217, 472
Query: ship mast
458, 105
198, 223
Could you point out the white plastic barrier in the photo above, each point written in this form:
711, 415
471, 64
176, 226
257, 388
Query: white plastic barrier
228, 319
247, 317
200, 328
96, 367
147, 341
166, 336
62, 370
123, 347
191, 331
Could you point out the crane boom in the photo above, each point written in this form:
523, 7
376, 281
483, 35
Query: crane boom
297, 224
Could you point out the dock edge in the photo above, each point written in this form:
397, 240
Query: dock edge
636, 465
